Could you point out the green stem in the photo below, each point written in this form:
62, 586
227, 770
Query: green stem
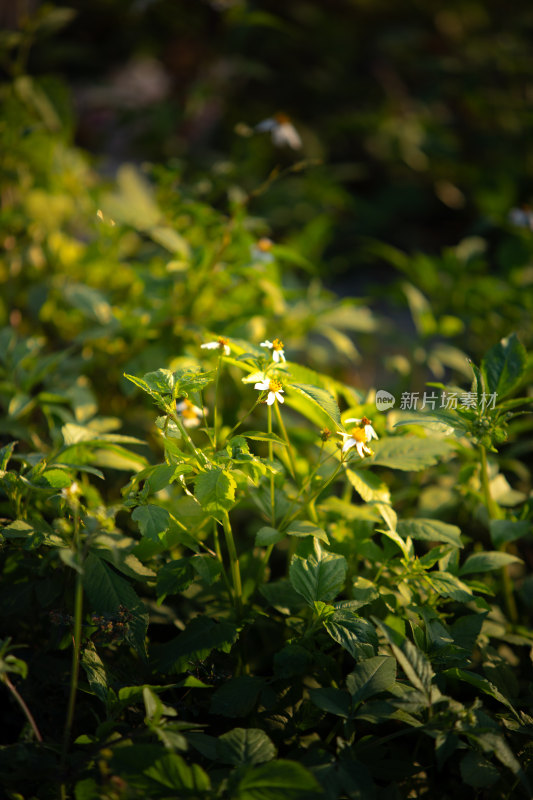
232, 431
285, 436
495, 512
200, 457
24, 707
271, 459
216, 421
218, 551
75, 668
234, 564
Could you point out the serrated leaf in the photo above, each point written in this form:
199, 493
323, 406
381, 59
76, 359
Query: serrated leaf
192, 380
321, 398
200, 637
414, 663
245, 746
409, 453
487, 561
370, 677
368, 486
430, 530
354, 633
318, 580
237, 697
504, 365
266, 536
215, 491
207, 567
506, 530
174, 577
107, 592
276, 779
161, 381
334, 701
152, 520
305, 528
448, 585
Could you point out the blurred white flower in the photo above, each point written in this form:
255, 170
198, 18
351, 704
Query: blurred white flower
190, 415
283, 132
276, 346
366, 425
262, 250
521, 217
274, 389
220, 344
70, 493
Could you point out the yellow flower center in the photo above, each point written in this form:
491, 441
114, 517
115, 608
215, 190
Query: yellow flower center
359, 435
222, 341
188, 412
264, 245
281, 118
277, 344
275, 385
366, 421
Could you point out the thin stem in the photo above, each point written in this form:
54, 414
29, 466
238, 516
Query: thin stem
271, 459
24, 707
78, 617
218, 552
232, 431
234, 563
285, 436
216, 415
198, 453
495, 512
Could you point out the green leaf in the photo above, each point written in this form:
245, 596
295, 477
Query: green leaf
476, 771
487, 561
430, 530
354, 633
107, 592
57, 478
278, 779
161, 381
152, 520
207, 567
334, 701
409, 452
448, 585
259, 436
368, 486
237, 697
174, 577
200, 637
215, 491
245, 746
95, 671
414, 663
504, 365
172, 772
305, 528
506, 530
370, 677
5, 454
318, 579
192, 380
482, 684
321, 398
266, 536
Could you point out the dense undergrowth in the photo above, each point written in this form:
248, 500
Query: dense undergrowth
256, 541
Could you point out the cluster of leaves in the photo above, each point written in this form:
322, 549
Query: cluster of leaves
327, 648
253, 611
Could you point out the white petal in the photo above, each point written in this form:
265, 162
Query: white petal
210, 345
266, 125
352, 419
348, 443
262, 385
270, 399
280, 397
286, 134
275, 355
227, 350
360, 448
266, 343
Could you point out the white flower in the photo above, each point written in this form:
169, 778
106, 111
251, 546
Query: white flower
191, 415
70, 493
274, 389
359, 437
283, 132
366, 424
220, 344
277, 349
262, 251
521, 217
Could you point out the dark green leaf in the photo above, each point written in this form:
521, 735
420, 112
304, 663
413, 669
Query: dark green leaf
409, 452
305, 528
278, 779
237, 697
506, 530
476, 771
318, 579
152, 520
334, 701
504, 365
354, 633
370, 677
430, 530
487, 561
245, 746
195, 643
